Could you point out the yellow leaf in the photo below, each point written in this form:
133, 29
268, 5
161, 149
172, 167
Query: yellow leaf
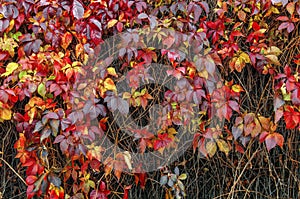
272, 10
112, 71
211, 148
76, 64
6, 114
111, 23
247, 10
10, 68
11, 25
182, 176
203, 74
126, 95
223, 146
172, 131
245, 57
262, 30
237, 88
109, 84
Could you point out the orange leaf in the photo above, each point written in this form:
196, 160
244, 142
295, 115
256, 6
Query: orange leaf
5, 114
109, 84
66, 40
290, 7
274, 139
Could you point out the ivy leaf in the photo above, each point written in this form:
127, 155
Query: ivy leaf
182, 176
10, 68
5, 114
109, 84
66, 40
283, 2
127, 159
42, 89
290, 7
94, 109
211, 148
45, 133
31, 179
223, 146
78, 9
111, 23
142, 16
274, 139
237, 131
4, 24
291, 117
163, 180
117, 103
54, 180
38, 183
273, 59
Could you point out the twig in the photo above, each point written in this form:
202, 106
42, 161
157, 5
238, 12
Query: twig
13, 170
238, 179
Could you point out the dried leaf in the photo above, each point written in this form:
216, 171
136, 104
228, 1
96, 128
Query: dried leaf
211, 148
223, 146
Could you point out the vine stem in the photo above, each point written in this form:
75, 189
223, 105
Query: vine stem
13, 170
238, 179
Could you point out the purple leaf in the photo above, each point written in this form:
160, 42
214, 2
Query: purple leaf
142, 16
59, 139
283, 25
45, 134
78, 9
290, 27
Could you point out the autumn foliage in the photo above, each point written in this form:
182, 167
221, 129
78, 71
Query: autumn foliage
49, 47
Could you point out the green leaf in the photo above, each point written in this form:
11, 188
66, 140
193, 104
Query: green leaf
16, 36
52, 77
182, 176
42, 90
22, 74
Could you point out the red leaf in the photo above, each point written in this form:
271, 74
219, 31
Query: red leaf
95, 164
125, 196
119, 26
255, 26
291, 117
31, 179
142, 178
263, 136
162, 142
283, 18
